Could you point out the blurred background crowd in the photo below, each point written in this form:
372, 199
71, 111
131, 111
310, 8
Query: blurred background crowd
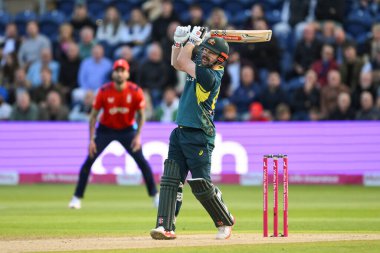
323, 62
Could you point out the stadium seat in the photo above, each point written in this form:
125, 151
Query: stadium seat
22, 18
50, 22
273, 16
358, 22
206, 6
66, 7
96, 8
181, 6
124, 6
5, 18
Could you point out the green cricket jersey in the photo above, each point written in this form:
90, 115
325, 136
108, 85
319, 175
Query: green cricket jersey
197, 103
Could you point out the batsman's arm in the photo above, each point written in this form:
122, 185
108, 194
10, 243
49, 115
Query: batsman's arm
184, 61
174, 56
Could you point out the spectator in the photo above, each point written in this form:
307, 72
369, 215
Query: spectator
328, 32
307, 51
372, 45
233, 68
46, 60
64, 39
39, 93
5, 109
81, 111
273, 94
230, 113
94, 71
325, 64
138, 32
265, 56
196, 15
351, 67
32, 46
125, 52
294, 15
340, 40
149, 111
306, 98
20, 83
257, 113
343, 110
153, 74
87, 42
167, 110
166, 45
153, 8
329, 93
68, 72
365, 84
9, 69
12, 41
52, 109
160, 25
283, 113
24, 109
367, 110
257, 13
113, 29
80, 18
246, 93
217, 20
375, 67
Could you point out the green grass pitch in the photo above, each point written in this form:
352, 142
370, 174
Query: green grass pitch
40, 212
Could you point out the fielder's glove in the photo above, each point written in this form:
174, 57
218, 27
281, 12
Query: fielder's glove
181, 35
197, 35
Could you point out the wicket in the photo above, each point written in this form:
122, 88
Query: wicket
275, 194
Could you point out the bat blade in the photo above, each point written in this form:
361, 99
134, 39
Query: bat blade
243, 36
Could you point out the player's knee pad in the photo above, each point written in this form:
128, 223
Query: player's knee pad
170, 181
211, 199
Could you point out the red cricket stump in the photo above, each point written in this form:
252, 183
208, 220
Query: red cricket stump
275, 196
265, 196
285, 200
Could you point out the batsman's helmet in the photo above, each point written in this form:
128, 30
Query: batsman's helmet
218, 46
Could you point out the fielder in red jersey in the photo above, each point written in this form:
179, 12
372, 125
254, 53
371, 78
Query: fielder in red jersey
123, 105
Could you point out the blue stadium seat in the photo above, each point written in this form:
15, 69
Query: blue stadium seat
206, 6
181, 6
50, 22
66, 7
273, 16
358, 22
233, 8
272, 4
22, 18
5, 18
96, 8
124, 6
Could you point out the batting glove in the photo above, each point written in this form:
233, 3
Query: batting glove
181, 35
196, 35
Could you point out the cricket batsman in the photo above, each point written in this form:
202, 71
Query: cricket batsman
192, 142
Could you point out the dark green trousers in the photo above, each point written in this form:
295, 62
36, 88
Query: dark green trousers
191, 148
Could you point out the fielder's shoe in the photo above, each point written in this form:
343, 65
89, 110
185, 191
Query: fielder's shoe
156, 199
75, 203
161, 234
224, 232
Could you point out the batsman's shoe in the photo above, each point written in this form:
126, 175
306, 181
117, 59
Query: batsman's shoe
160, 233
75, 203
224, 232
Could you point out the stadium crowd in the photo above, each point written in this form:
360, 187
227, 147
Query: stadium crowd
323, 62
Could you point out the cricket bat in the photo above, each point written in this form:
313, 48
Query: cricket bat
242, 36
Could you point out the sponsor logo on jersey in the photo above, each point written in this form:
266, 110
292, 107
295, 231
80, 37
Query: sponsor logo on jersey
111, 100
122, 110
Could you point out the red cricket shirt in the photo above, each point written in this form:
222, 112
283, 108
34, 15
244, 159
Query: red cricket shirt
119, 107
